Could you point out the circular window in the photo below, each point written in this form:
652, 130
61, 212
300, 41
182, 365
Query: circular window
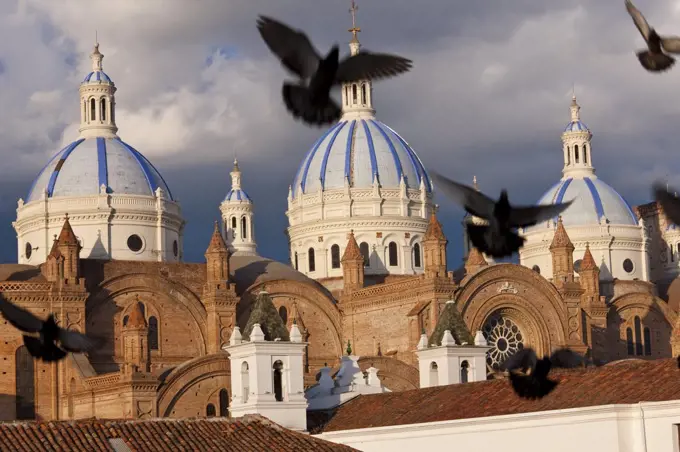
29, 250
504, 337
175, 248
134, 242
577, 266
537, 269
628, 266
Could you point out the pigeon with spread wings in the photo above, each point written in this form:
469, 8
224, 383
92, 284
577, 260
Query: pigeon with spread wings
497, 239
529, 375
654, 59
308, 99
669, 202
45, 346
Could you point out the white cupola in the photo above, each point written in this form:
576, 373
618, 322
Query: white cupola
237, 217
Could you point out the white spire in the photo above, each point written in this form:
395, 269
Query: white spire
235, 177
576, 146
97, 101
357, 97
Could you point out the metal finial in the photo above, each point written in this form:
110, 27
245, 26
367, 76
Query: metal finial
353, 11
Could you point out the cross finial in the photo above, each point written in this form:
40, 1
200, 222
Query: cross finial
96, 38
353, 11
474, 182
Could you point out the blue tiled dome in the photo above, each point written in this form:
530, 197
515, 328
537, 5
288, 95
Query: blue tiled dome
576, 126
84, 165
97, 76
592, 198
237, 195
360, 150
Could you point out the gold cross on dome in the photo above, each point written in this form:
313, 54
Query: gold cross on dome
353, 11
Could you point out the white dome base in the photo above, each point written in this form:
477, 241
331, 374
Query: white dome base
105, 225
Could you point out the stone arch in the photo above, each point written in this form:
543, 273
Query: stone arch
395, 375
653, 312
183, 384
155, 285
519, 294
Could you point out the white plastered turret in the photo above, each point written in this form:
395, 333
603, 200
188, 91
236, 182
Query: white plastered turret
237, 217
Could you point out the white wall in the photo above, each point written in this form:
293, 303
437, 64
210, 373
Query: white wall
643, 427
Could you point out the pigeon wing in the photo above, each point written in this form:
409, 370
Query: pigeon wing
475, 203
19, 317
638, 19
671, 44
521, 217
566, 359
371, 66
75, 342
292, 47
669, 203
523, 359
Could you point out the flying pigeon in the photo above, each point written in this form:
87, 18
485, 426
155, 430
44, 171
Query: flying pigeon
45, 347
669, 203
529, 375
498, 238
309, 99
654, 59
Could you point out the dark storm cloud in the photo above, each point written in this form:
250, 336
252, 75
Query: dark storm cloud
488, 96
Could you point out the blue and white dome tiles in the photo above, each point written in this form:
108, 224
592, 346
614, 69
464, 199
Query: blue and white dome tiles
592, 199
360, 150
96, 77
82, 167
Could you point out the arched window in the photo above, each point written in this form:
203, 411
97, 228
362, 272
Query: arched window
93, 109
125, 320
354, 94
364, 252
638, 336
245, 381
335, 256
24, 384
363, 94
416, 256
392, 248
102, 109
648, 342
224, 403
568, 155
71, 404
153, 333
210, 410
310, 257
283, 313
629, 341
278, 381
434, 374
243, 228
233, 222
672, 252
296, 261
678, 249
464, 367
346, 95
576, 153
143, 309
85, 118
585, 153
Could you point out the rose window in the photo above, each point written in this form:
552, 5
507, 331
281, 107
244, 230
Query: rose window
505, 339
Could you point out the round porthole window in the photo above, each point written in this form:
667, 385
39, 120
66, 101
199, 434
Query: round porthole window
628, 266
537, 269
135, 243
29, 250
577, 266
175, 248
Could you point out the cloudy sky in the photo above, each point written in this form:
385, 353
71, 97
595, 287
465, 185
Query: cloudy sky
488, 96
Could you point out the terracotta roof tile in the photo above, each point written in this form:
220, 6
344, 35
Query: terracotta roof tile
621, 382
248, 433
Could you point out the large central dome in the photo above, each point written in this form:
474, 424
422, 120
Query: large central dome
360, 151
